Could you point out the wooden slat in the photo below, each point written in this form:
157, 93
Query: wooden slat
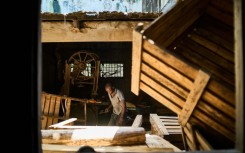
136, 60
68, 108
210, 55
43, 102
217, 115
159, 98
155, 122
170, 123
167, 70
206, 64
170, 59
216, 27
168, 120
166, 93
56, 110
214, 125
220, 15
169, 26
222, 91
171, 117
213, 47
172, 131
219, 104
51, 111
222, 41
190, 145
202, 141
137, 121
173, 127
194, 96
164, 81
188, 135
60, 124
46, 110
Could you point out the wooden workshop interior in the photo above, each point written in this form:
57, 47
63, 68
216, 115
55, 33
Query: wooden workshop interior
180, 72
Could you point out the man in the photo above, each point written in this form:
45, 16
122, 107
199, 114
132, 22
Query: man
119, 106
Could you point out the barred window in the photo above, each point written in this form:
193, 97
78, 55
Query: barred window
111, 70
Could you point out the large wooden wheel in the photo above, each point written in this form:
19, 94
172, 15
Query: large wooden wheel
82, 68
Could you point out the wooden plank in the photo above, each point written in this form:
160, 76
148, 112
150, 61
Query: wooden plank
93, 136
45, 112
222, 41
155, 121
217, 115
218, 103
166, 93
136, 59
202, 141
222, 91
194, 96
210, 55
167, 70
174, 131
239, 72
43, 102
213, 47
217, 27
155, 141
220, 15
190, 145
51, 111
68, 108
169, 26
57, 109
213, 124
159, 98
173, 127
206, 64
170, 59
137, 121
165, 81
53, 148
60, 124
171, 117
169, 120
170, 123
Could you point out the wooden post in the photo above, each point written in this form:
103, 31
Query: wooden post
199, 85
136, 59
137, 121
239, 20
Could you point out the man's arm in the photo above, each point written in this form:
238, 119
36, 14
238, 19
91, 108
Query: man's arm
108, 108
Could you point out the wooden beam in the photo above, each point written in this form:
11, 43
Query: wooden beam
239, 72
202, 141
136, 59
199, 85
137, 121
95, 136
59, 125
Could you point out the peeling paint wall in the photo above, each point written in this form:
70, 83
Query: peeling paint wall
69, 6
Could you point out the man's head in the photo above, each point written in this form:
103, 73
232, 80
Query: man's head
109, 88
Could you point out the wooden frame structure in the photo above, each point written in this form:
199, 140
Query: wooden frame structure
51, 106
199, 98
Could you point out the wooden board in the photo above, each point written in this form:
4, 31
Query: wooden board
136, 60
194, 96
137, 121
60, 124
95, 136
158, 126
